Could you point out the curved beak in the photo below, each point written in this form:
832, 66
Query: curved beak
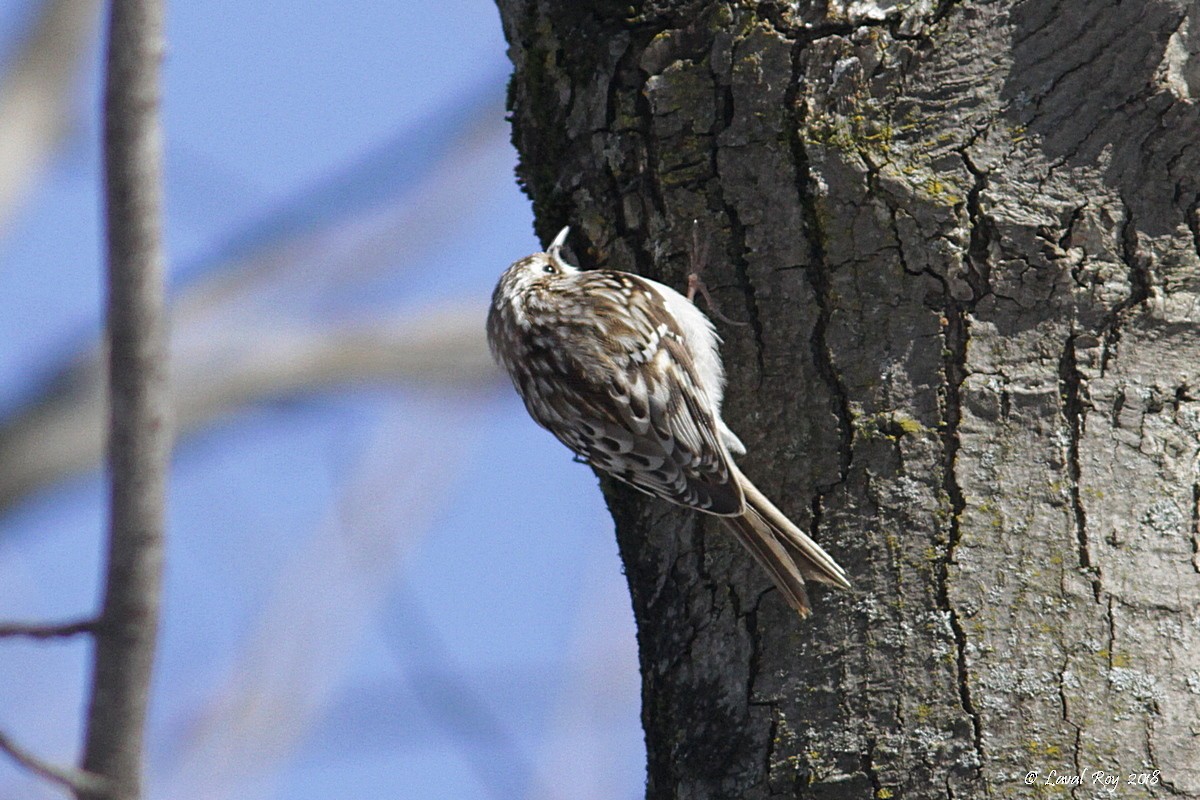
555, 248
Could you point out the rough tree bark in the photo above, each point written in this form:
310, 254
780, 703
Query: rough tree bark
965, 237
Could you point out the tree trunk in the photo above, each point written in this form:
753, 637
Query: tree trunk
964, 238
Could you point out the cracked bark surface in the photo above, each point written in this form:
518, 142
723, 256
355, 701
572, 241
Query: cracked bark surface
966, 240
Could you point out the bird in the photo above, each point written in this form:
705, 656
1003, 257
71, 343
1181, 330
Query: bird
627, 373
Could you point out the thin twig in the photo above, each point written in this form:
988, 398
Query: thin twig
45, 630
139, 398
76, 780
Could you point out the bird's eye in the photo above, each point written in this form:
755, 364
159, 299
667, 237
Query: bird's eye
549, 269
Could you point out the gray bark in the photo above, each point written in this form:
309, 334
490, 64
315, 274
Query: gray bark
965, 237
139, 426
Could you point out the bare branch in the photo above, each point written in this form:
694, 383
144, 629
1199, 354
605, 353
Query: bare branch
34, 630
139, 425
76, 780
336, 580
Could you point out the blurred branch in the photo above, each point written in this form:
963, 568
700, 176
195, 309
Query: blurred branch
46, 630
321, 603
237, 335
140, 408
35, 95
439, 347
75, 780
420, 184
226, 367
442, 145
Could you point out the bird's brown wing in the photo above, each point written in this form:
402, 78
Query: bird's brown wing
613, 379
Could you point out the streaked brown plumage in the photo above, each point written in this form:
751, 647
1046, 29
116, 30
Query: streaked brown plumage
626, 373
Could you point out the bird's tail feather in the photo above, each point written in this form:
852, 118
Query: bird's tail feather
787, 554
757, 537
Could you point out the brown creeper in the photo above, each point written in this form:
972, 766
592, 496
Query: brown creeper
625, 371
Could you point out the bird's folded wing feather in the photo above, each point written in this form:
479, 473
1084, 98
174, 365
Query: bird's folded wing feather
630, 403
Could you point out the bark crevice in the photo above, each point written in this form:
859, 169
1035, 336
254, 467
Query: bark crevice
956, 333
1140, 282
1196, 528
737, 235
1072, 389
818, 274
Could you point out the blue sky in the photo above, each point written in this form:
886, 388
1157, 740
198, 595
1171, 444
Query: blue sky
381, 590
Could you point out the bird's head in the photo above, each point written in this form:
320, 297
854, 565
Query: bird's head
536, 272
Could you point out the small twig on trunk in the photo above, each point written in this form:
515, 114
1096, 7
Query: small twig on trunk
698, 255
73, 779
46, 630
